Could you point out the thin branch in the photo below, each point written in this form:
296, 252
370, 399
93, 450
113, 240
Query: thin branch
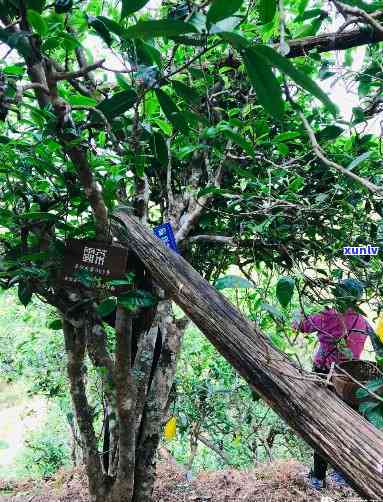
169, 176
82, 72
20, 90
355, 11
214, 448
219, 239
320, 154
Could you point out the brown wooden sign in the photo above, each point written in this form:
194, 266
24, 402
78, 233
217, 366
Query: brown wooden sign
99, 259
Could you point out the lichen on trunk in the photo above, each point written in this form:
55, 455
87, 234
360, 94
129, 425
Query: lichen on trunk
137, 379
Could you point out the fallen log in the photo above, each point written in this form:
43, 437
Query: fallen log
346, 439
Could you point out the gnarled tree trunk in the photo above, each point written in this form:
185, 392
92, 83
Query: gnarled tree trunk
137, 384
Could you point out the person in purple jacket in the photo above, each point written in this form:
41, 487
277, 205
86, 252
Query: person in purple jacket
342, 333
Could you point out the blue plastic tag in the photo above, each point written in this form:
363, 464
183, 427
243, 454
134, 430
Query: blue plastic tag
165, 233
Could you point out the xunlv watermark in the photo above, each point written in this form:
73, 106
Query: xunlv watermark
361, 250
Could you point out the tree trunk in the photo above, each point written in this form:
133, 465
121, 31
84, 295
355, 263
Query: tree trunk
342, 436
156, 404
75, 343
137, 384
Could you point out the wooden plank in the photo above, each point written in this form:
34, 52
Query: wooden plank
318, 415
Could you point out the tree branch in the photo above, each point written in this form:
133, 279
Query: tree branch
320, 154
197, 206
202, 439
359, 13
218, 239
333, 42
82, 72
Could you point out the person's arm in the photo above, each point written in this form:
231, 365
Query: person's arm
309, 324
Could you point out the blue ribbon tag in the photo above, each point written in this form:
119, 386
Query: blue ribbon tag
165, 233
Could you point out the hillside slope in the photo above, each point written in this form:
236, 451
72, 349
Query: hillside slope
277, 482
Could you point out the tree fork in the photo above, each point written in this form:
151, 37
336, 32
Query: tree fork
346, 439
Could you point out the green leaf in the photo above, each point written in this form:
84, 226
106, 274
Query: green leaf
311, 29
374, 385
367, 406
302, 6
18, 41
165, 127
267, 10
37, 22
240, 141
273, 311
121, 282
37, 5
297, 184
137, 299
329, 133
112, 26
286, 136
55, 325
265, 83
147, 54
4, 445
367, 7
221, 9
101, 28
79, 100
63, 6
186, 92
237, 40
278, 341
171, 110
39, 216
227, 25
376, 417
309, 14
131, 6
118, 104
122, 82
161, 28
107, 306
14, 69
24, 292
199, 21
233, 282
285, 290
358, 160
300, 78
85, 277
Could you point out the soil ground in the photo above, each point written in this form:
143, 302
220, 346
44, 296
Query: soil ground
283, 481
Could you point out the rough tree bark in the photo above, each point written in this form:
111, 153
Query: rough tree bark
352, 444
333, 42
136, 390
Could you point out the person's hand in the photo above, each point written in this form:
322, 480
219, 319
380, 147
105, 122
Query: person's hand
297, 316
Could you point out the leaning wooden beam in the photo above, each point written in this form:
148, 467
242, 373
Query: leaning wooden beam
354, 446
333, 42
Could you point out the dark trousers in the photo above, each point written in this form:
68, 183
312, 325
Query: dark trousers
320, 464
